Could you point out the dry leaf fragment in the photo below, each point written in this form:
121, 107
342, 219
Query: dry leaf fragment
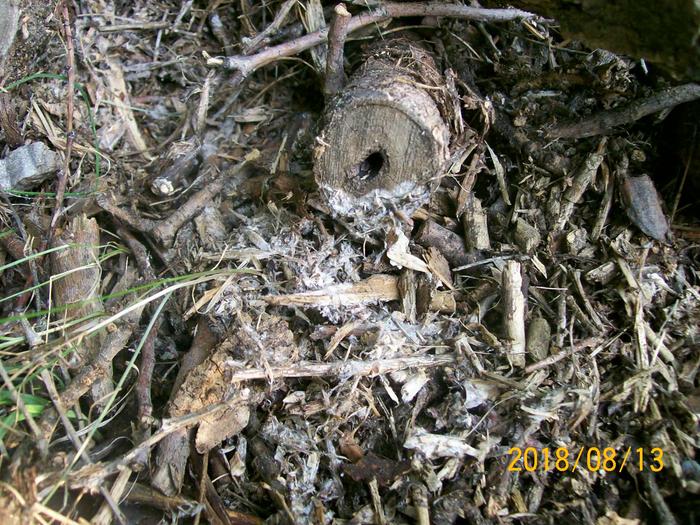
121, 100
439, 446
213, 429
643, 206
398, 254
372, 466
440, 267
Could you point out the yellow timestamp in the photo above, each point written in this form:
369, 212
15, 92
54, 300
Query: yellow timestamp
593, 459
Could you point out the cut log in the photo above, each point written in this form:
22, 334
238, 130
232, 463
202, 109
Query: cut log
384, 139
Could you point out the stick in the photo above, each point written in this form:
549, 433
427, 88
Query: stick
475, 223
335, 73
165, 230
148, 358
350, 368
605, 121
82, 382
92, 477
65, 172
246, 65
581, 180
261, 37
16, 245
693, 143
420, 502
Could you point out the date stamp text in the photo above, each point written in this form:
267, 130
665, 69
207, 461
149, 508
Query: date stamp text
593, 459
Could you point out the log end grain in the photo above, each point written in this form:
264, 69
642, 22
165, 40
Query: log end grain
384, 136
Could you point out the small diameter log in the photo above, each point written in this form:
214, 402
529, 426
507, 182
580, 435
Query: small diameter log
384, 137
76, 286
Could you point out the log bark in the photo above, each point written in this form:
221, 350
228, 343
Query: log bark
76, 285
384, 139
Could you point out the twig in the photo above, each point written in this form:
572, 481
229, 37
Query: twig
663, 511
184, 9
82, 382
475, 223
203, 105
139, 26
217, 28
92, 477
379, 516
70, 134
605, 121
246, 65
202, 484
143, 383
564, 354
165, 230
60, 408
605, 205
109, 507
335, 73
150, 497
270, 30
350, 368
581, 180
420, 501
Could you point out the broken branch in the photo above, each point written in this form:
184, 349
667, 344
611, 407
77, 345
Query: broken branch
64, 174
349, 368
246, 65
335, 73
605, 121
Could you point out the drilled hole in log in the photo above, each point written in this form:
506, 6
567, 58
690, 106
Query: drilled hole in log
371, 166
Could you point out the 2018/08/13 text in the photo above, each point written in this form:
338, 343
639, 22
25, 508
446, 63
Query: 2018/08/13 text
593, 459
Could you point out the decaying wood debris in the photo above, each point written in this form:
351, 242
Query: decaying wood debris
298, 262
